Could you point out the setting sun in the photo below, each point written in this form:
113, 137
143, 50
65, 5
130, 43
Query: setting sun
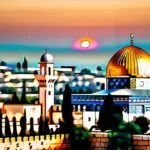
85, 44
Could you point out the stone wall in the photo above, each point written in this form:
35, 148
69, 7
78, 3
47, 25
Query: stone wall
99, 141
58, 141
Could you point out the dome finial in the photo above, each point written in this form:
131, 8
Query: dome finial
46, 50
132, 38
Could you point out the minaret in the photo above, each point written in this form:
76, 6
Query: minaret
46, 81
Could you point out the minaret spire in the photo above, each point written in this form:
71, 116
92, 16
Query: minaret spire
132, 38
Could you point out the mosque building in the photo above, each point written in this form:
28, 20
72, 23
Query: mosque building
127, 79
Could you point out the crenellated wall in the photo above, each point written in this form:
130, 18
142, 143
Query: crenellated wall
99, 141
59, 141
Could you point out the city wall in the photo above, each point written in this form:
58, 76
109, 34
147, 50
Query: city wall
99, 141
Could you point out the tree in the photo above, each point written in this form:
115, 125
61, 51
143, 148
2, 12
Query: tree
35, 72
143, 122
99, 68
14, 127
19, 66
15, 99
23, 96
7, 127
3, 63
23, 126
85, 71
1, 134
24, 114
46, 128
32, 133
67, 107
25, 64
41, 126
106, 118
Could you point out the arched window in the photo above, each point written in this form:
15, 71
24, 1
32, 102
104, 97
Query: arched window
79, 108
43, 72
74, 108
97, 107
91, 107
84, 108
49, 70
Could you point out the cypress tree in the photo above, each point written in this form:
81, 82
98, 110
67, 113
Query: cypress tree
32, 127
41, 126
46, 128
25, 64
15, 99
1, 134
23, 96
67, 107
106, 118
23, 126
7, 127
14, 127
18, 66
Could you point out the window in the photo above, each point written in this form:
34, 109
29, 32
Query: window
84, 107
49, 70
43, 71
49, 92
89, 119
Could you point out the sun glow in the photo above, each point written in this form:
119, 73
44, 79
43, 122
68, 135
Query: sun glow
85, 44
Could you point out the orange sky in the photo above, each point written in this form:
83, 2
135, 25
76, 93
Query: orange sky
75, 13
58, 23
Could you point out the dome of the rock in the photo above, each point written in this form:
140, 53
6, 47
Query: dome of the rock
130, 60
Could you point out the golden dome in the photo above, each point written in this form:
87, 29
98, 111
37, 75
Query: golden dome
130, 60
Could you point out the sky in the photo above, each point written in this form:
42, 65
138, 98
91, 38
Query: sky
28, 27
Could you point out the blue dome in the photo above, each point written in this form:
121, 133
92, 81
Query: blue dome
47, 58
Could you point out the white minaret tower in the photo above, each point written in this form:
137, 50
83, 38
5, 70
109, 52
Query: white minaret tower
46, 81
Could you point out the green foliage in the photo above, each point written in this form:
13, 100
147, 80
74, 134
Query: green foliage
79, 138
31, 99
143, 122
7, 90
136, 128
121, 136
80, 133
